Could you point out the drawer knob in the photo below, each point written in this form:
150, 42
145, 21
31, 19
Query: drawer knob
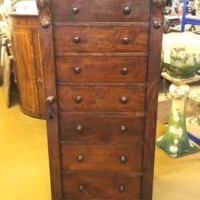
122, 188
123, 100
76, 39
81, 187
78, 99
125, 40
123, 128
77, 70
80, 158
79, 128
124, 70
75, 10
123, 159
127, 10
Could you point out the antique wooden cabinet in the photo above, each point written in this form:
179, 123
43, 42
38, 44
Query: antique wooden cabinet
28, 66
101, 63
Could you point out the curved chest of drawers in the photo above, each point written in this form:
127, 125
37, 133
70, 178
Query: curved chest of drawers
101, 85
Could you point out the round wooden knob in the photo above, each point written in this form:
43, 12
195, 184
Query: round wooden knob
81, 187
125, 40
123, 100
127, 10
124, 70
123, 128
78, 99
80, 158
79, 128
77, 70
76, 39
123, 159
75, 10
122, 188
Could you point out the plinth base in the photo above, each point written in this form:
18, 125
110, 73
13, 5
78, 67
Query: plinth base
174, 149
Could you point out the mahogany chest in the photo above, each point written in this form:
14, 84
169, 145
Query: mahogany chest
101, 63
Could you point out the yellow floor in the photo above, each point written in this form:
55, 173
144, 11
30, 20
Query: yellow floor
176, 178
24, 171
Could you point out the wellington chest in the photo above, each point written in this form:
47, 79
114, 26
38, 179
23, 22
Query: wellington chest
101, 69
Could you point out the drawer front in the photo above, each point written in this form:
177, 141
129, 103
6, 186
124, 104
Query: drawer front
101, 69
102, 98
97, 186
100, 11
96, 157
100, 128
95, 39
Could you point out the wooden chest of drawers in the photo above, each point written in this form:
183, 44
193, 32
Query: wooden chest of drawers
101, 67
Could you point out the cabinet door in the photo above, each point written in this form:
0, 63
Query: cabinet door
39, 72
29, 70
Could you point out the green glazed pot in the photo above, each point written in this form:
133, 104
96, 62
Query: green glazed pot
181, 54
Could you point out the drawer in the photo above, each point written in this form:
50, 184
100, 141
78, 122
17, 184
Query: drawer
101, 39
101, 69
102, 98
101, 186
95, 157
100, 11
100, 128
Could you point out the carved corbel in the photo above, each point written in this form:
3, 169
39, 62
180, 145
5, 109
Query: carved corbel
157, 13
44, 13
